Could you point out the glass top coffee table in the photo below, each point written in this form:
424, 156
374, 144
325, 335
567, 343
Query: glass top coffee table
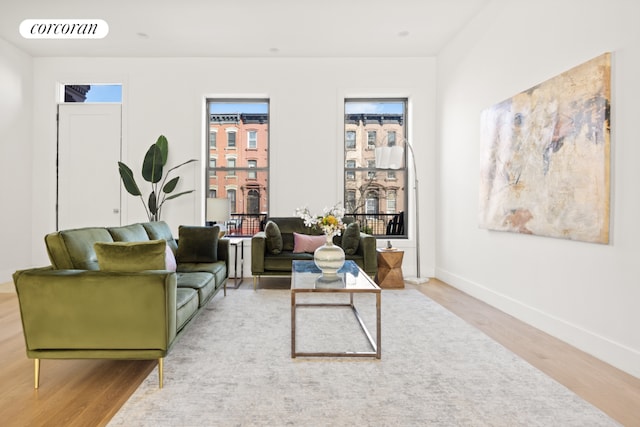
308, 278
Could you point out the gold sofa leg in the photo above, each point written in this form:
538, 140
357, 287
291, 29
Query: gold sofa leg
160, 371
36, 365
255, 282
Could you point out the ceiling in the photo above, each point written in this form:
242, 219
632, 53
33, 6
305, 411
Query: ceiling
247, 28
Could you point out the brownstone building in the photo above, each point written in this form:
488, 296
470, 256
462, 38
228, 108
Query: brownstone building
238, 161
373, 194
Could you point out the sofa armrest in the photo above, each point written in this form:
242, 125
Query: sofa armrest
258, 248
96, 310
223, 252
367, 248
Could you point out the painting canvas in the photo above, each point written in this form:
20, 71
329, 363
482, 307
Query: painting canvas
545, 157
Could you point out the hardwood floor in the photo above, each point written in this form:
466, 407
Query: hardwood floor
90, 392
612, 390
72, 392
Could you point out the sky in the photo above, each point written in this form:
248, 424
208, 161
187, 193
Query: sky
395, 107
104, 93
241, 107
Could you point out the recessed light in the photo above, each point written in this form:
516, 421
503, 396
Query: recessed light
274, 50
403, 33
143, 35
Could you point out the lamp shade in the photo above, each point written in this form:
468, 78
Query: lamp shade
218, 210
389, 157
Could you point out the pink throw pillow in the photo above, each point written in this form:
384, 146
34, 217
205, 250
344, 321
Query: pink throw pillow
305, 243
170, 259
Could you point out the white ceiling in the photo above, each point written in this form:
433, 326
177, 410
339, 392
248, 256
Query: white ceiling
247, 28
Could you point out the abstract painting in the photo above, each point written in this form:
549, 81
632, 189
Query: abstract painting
544, 167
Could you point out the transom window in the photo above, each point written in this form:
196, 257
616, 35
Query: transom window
92, 93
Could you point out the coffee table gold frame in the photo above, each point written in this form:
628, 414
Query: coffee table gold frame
362, 284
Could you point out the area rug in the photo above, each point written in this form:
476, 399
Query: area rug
233, 367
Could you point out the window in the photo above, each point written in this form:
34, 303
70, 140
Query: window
213, 135
252, 165
252, 139
241, 170
231, 195
231, 139
373, 191
350, 172
350, 140
371, 139
391, 138
371, 165
350, 200
391, 201
231, 166
372, 203
92, 93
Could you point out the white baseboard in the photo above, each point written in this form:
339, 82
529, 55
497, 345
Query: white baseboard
611, 352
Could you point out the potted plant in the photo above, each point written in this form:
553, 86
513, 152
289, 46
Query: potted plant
152, 172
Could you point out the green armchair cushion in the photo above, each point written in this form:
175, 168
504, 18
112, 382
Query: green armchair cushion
131, 256
351, 238
197, 243
274, 238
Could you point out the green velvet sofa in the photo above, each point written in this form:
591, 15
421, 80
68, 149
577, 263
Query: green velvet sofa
89, 304
266, 262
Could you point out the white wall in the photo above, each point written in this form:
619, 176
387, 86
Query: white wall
167, 95
15, 149
586, 294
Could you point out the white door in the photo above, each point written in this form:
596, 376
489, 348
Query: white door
89, 139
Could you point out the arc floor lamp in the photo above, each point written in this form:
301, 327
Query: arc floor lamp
391, 158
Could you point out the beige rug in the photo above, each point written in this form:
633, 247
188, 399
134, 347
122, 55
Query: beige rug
233, 368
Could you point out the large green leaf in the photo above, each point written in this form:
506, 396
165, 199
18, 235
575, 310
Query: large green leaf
179, 194
153, 203
182, 164
163, 145
128, 180
152, 165
171, 185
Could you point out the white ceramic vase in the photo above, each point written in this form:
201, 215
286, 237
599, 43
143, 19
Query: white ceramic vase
329, 257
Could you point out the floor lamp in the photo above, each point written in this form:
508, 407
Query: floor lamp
391, 158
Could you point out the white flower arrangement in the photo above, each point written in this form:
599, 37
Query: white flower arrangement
330, 222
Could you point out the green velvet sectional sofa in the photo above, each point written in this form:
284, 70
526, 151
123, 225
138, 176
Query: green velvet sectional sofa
112, 293
275, 259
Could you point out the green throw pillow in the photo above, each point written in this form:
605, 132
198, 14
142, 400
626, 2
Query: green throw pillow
351, 238
131, 256
197, 243
274, 238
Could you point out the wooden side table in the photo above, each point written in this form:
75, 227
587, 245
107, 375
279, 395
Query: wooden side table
389, 273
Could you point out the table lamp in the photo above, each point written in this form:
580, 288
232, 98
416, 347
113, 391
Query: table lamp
218, 212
